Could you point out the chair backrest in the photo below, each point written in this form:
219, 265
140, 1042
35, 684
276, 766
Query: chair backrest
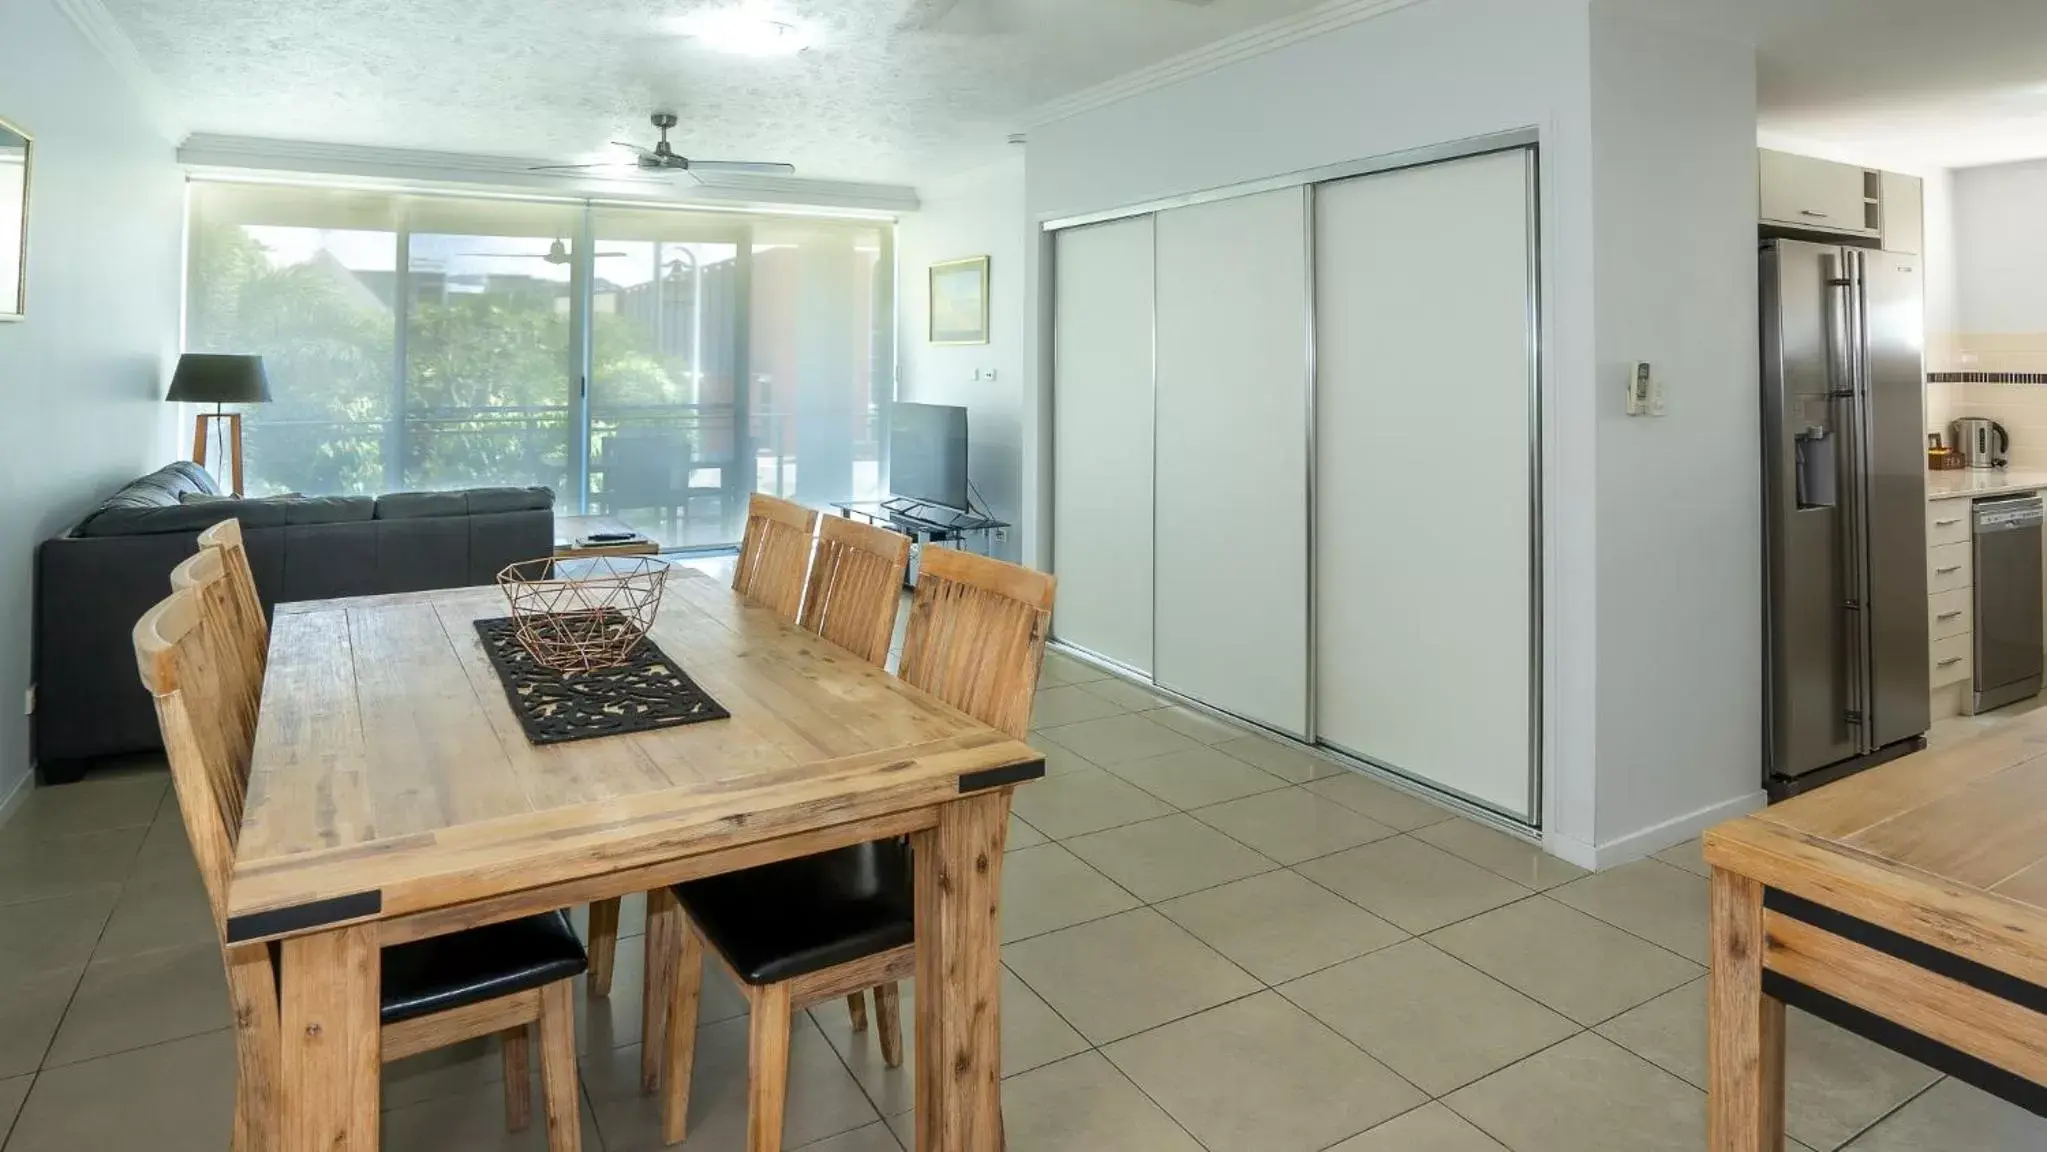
856, 586
205, 575
976, 638
186, 667
226, 539
774, 555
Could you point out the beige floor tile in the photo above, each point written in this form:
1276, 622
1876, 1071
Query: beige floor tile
1032, 1036
614, 1022
1260, 1075
1021, 835
1115, 739
1195, 724
1954, 1116
166, 853
49, 936
1168, 857
60, 866
1836, 1083
1293, 824
95, 804
1197, 777
1286, 762
1127, 973
1429, 1128
473, 1120
1059, 759
1070, 704
824, 1099
1126, 695
449, 1071
29, 1014
1659, 902
1429, 1017
143, 999
176, 1097
169, 911
1586, 1095
1690, 856
1415, 886
1047, 888
1063, 669
1384, 803
1082, 1102
13, 1091
1584, 968
1516, 859
1280, 925
876, 1137
1085, 801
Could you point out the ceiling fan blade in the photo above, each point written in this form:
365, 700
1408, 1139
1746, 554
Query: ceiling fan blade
763, 167
574, 167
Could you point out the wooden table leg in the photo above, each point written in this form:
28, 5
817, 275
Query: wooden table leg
1745, 1046
661, 944
332, 1059
959, 975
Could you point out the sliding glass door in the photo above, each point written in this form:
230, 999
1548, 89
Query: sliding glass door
655, 365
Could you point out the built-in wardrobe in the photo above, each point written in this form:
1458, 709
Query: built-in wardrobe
1295, 458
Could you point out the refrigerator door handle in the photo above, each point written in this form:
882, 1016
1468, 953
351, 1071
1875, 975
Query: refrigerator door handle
1861, 434
1844, 387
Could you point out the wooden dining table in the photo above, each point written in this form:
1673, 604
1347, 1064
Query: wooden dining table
1907, 904
394, 796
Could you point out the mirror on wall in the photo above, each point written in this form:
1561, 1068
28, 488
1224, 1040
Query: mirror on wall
14, 174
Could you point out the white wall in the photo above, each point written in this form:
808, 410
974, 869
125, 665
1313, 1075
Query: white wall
1679, 498
1419, 75
977, 213
2001, 248
82, 378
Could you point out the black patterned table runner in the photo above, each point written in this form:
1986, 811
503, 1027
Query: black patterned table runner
647, 692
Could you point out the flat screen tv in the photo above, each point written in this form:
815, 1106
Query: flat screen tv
927, 454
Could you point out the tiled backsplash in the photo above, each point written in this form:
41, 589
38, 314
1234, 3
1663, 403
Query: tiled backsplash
2002, 376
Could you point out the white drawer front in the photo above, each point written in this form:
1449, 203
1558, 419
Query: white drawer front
1950, 613
1948, 567
1947, 522
1952, 659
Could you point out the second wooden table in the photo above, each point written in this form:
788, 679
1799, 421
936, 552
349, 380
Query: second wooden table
393, 796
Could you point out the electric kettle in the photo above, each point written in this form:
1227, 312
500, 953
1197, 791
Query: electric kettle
1982, 443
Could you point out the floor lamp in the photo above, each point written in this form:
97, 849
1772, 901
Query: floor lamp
207, 378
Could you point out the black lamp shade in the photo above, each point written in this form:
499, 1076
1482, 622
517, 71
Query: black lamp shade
210, 378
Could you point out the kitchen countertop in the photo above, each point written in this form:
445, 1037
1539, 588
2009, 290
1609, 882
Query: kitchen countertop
1965, 482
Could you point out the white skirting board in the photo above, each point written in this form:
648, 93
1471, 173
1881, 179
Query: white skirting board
1653, 839
17, 796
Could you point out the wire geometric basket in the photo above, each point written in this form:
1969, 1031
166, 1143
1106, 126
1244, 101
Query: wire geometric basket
576, 624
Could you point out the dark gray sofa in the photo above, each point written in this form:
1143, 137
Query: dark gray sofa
96, 580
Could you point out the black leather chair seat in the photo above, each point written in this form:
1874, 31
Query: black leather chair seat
794, 917
469, 967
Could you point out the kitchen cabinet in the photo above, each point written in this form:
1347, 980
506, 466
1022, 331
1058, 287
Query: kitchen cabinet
1902, 209
1805, 192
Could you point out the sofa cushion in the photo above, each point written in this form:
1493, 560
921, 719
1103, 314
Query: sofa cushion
486, 500
160, 489
324, 509
413, 505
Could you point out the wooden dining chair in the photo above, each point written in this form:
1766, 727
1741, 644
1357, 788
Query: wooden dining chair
803, 931
774, 555
494, 980
856, 586
225, 538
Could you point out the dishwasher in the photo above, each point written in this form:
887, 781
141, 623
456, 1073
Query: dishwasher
2008, 600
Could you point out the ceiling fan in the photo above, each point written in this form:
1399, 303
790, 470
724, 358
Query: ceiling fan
557, 253
664, 158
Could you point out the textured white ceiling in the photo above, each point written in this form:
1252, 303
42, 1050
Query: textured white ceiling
1948, 83
872, 100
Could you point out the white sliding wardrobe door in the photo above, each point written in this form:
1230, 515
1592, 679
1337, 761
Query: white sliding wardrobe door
1102, 439
1423, 516
1232, 456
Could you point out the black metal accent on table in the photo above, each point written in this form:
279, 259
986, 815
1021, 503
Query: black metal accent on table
1960, 969
997, 777
648, 692
300, 917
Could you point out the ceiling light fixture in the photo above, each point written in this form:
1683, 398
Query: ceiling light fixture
745, 31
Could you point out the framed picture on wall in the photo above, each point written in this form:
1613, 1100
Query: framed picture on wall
15, 145
959, 301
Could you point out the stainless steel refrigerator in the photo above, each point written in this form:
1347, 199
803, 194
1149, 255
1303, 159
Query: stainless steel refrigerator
1844, 490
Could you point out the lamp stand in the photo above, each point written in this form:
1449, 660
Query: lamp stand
200, 436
